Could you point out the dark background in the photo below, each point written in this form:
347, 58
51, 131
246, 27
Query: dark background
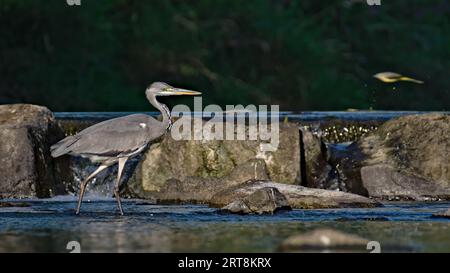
302, 55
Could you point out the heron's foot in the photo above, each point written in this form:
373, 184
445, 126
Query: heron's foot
77, 211
120, 210
119, 203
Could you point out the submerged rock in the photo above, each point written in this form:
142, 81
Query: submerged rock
14, 204
444, 214
298, 197
405, 158
324, 240
215, 160
27, 169
263, 201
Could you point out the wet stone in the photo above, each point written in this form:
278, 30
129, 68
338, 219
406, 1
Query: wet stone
324, 240
27, 169
214, 160
445, 214
404, 159
267, 200
14, 204
297, 196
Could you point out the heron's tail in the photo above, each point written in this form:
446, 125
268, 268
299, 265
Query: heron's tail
62, 147
410, 80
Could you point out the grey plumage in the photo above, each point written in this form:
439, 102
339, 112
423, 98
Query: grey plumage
111, 138
116, 140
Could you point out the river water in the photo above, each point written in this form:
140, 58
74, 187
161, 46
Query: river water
298, 116
48, 225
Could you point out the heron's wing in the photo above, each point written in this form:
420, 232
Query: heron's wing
111, 137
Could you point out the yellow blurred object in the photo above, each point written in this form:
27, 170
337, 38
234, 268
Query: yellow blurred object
391, 77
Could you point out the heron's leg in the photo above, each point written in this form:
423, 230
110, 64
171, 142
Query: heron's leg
122, 161
84, 183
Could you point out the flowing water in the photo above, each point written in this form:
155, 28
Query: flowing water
48, 225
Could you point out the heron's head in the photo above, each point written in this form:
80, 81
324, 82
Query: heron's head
163, 89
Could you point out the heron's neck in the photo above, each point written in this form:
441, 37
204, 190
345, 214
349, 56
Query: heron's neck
167, 121
166, 116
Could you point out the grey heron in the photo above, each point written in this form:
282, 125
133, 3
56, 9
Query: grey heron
116, 140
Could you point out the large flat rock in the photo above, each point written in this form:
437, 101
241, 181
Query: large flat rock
243, 181
214, 159
298, 197
200, 189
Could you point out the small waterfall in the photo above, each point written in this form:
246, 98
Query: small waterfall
103, 184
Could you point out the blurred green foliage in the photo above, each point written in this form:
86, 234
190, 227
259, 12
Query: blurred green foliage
302, 55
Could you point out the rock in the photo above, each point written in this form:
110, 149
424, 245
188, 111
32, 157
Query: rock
370, 219
324, 240
27, 169
384, 181
146, 203
199, 189
13, 204
215, 159
405, 158
243, 181
315, 171
298, 197
445, 214
263, 201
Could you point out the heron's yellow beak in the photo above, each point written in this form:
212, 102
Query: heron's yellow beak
179, 91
